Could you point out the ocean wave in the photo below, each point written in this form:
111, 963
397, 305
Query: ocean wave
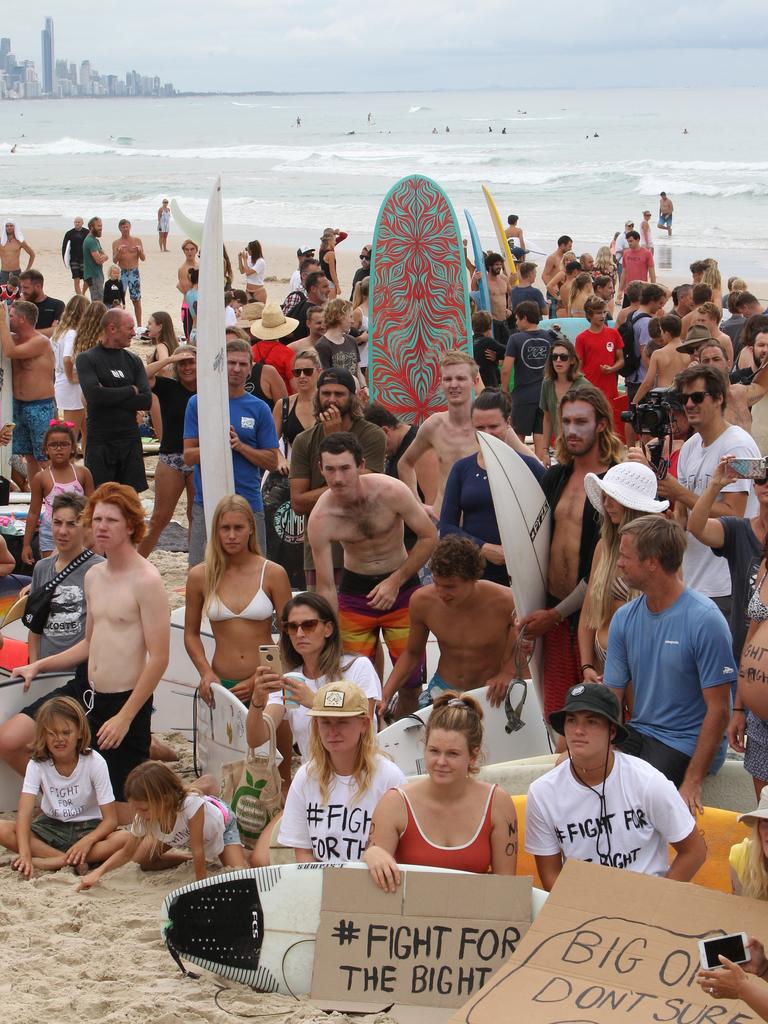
652, 187
415, 110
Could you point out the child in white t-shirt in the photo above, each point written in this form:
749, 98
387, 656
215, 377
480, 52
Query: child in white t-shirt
79, 818
169, 815
330, 805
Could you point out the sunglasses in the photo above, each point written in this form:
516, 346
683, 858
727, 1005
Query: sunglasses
365, 256
303, 371
306, 626
697, 397
560, 357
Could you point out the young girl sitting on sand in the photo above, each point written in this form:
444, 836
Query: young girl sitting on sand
58, 477
79, 818
168, 815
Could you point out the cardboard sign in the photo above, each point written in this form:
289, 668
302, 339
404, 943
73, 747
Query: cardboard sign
434, 942
610, 946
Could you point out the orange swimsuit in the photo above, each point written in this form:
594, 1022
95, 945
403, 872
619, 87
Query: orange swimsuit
415, 848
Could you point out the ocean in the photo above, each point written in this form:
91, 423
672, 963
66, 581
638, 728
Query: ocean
576, 162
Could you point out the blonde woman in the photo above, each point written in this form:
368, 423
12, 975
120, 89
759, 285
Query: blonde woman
626, 492
580, 290
605, 265
239, 591
327, 257
86, 336
360, 320
296, 413
253, 266
337, 347
341, 782
749, 858
711, 277
68, 397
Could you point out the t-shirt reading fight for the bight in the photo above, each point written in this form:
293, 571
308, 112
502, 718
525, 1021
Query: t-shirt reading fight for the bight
337, 829
643, 812
213, 826
75, 797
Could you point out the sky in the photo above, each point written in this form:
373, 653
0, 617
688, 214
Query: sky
305, 45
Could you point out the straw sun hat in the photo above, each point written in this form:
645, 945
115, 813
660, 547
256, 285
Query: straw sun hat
273, 324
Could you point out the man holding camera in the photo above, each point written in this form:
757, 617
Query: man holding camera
704, 391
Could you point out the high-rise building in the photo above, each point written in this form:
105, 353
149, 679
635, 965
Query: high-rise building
48, 57
5, 49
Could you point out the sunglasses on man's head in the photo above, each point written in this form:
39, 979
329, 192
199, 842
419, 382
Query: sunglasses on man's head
303, 371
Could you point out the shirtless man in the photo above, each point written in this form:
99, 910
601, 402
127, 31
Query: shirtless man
741, 397
183, 282
666, 210
316, 328
498, 287
366, 514
126, 253
553, 266
587, 444
34, 405
472, 620
450, 435
708, 315
514, 233
127, 638
11, 245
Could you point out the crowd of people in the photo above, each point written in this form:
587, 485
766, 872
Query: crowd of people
653, 630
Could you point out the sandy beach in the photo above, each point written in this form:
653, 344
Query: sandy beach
97, 956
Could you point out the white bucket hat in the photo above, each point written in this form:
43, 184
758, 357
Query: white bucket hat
761, 811
632, 484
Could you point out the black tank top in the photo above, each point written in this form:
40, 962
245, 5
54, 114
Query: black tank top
253, 384
292, 425
323, 265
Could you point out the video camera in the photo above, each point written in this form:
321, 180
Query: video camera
655, 416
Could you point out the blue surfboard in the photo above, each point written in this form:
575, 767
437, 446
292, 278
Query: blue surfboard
483, 297
570, 326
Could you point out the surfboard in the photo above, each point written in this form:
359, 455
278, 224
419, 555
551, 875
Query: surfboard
501, 238
483, 300
419, 302
258, 926
513, 730
570, 326
192, 229
522, 513
216, 467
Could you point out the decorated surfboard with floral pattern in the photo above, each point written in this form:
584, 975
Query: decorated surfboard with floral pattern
419, 298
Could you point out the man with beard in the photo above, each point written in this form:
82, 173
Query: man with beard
94, 259
498, 287
337, 408
12, 245
586, 444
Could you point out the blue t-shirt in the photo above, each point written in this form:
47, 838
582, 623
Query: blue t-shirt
527, 293
253, 424
671, 657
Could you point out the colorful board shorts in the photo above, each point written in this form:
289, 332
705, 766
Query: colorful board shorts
131, 282
665, 220
62, 834
361, 625
32, 419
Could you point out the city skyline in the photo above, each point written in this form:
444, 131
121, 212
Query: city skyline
60, 78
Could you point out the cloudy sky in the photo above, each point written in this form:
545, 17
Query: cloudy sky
299, 45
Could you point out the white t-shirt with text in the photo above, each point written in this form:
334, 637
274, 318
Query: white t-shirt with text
357, 670
643, 812
213, 826
338, 829
75, 797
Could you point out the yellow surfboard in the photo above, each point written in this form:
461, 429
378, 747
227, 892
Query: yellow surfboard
501, 238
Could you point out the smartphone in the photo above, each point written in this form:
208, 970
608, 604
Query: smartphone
269, 657
750, 469
734, 947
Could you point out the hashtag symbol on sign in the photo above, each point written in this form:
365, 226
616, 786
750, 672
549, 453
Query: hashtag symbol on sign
314, 814
345, 932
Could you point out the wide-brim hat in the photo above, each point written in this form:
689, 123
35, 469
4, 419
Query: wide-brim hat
339, 700
760, 812
695, 338
632, 484
273, 324
590, 697
248, 313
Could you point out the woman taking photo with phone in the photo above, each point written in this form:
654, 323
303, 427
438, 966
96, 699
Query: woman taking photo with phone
239, 591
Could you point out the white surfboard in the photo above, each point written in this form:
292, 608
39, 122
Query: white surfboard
192, 229
523, 516
513, 730
212, 391
218, 732
257, 926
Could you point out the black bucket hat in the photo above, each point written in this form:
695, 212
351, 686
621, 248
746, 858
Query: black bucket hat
590, 697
